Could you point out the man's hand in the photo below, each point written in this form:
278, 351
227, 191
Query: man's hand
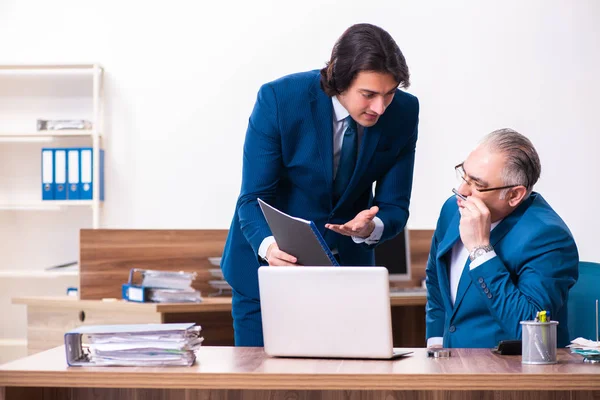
278, 258
475, 223
361, 226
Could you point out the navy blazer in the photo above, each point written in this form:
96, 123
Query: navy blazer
288, 162
536, 265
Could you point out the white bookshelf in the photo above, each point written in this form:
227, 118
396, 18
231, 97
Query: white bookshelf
36, 234
94, 91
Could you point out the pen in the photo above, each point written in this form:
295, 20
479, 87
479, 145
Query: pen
541, 347
458, 194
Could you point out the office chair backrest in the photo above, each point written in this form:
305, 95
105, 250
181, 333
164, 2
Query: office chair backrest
582, 302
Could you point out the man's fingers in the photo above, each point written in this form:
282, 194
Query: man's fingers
276, 262
368, 214
481, 207
472, 208
284, 260
282, 255
343, 229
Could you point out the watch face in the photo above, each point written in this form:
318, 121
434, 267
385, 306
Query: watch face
479, 252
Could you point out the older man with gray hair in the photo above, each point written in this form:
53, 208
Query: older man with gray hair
499, 253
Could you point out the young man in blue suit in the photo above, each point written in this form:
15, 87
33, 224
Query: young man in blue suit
500, 255
316, 142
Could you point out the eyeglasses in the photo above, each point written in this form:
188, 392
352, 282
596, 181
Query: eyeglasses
461, 177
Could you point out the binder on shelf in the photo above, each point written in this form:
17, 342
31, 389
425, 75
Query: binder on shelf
86, 184
60, 174
298, 237
74, 173
47, 174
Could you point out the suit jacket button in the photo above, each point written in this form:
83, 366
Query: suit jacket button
480, 280
489, 296
483, 285
452, 328
486, 290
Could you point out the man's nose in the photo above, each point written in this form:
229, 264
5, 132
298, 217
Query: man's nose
378, 106
465, 189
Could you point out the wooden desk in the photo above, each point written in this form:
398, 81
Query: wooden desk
247, 373
48, 318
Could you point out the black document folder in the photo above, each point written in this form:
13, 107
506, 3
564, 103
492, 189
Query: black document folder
298, 237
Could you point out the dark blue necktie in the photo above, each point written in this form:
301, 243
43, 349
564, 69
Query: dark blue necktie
347, 159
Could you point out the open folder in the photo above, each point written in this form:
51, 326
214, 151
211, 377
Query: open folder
298, 237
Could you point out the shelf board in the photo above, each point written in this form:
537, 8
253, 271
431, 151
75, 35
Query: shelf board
47, 205
36, 274
42, 67
26, 136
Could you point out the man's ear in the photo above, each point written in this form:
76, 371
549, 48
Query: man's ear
516, 195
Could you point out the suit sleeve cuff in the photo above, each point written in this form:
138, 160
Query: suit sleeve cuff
375, 235
435, 341
264, 246
481, 259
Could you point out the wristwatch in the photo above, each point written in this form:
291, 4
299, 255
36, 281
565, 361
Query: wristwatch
479, 251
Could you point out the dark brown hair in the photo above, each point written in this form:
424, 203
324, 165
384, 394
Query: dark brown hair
363, 47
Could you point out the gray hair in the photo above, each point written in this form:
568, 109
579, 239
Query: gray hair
522, 166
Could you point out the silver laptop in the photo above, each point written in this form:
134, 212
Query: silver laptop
340, 312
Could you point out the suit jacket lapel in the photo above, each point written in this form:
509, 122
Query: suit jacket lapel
322, 115
463, 285
451, 236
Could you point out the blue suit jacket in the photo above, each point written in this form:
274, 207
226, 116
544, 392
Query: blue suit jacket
536, 265
288, 162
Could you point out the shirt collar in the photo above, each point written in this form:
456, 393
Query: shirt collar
339, 112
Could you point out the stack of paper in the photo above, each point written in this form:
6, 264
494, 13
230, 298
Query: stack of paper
160, 287
165, 279
587, 348
188, 295
133, 345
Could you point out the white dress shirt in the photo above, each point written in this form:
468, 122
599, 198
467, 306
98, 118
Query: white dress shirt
458, 259
339, 127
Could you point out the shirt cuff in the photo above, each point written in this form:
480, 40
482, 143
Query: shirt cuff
264, 246
436, 340
375, 235
481, 259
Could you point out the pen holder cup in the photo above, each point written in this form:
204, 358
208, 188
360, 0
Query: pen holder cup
539, 342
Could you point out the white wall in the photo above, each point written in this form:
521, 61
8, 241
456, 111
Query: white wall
182, 77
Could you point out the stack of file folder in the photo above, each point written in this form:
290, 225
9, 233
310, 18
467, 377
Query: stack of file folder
68, 174
589, 349
160, 287
146, 345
